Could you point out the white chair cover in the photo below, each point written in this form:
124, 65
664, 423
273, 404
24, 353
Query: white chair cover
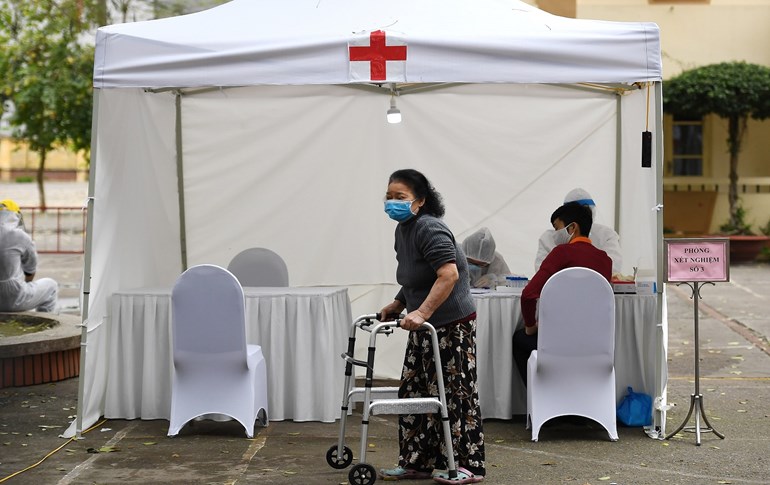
259, 267
214, 371
572, 371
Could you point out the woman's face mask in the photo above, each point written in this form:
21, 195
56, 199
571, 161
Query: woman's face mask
399, 210
562, 235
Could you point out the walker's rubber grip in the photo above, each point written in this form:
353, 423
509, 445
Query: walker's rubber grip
378, 316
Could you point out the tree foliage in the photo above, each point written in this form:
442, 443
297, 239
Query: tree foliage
727, 89
736, 91
46, 69
170, 8
46, 64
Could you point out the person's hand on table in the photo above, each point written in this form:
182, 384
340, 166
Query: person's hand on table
486, 281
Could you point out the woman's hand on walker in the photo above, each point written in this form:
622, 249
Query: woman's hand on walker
413, 320
391, 311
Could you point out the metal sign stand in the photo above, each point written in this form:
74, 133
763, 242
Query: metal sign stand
696, 399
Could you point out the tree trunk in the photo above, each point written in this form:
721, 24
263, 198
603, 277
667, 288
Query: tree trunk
101, 12
40, 173
736, 127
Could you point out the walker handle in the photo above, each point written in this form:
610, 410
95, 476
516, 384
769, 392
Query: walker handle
378, 316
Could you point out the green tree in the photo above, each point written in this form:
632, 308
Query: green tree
46, 70
735, 91
170, 8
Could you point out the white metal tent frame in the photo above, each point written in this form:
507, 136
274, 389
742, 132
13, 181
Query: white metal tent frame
404, 88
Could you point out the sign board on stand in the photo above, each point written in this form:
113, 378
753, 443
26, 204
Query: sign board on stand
697, 259
694, 261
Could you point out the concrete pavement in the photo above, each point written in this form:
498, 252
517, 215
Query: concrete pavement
735, 383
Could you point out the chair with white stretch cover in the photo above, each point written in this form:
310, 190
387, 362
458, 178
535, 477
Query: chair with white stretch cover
215, 371
259, 267
572, 371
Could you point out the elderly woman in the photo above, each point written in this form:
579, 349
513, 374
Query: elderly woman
487, 267
433, 274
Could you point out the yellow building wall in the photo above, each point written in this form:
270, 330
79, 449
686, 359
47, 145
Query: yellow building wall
696, 33
17, 160
562, 8
753, 171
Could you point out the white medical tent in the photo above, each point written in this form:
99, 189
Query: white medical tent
253, 124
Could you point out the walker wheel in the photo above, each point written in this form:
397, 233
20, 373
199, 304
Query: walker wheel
362, 474
339, 462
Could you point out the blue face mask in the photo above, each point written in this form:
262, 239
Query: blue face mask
399, 210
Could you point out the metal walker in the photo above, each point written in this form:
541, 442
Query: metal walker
386, 402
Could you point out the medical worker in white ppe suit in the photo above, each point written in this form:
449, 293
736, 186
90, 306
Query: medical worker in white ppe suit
603, 237
18, 264
486, 266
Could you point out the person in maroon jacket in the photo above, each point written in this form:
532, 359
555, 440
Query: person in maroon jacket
570, 221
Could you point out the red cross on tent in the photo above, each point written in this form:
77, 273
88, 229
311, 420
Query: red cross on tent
374, 59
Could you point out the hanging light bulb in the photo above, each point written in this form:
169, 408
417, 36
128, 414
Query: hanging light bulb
394, 114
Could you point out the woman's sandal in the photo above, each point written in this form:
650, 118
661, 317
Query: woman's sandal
463, 476
401, 473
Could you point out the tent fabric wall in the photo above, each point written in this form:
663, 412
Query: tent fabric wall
297, 161
488, 148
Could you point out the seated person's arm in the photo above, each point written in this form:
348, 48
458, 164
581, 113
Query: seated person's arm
544, 246
612, 248
531, 330
531, 293
29, 262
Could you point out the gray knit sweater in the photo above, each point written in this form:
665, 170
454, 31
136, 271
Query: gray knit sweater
423, 244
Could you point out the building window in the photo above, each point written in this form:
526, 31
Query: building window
687, 137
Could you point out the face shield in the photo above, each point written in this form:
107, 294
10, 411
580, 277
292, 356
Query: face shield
582, 197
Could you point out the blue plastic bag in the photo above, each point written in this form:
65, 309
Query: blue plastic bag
635, 409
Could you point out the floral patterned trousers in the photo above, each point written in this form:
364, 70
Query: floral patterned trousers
422, 445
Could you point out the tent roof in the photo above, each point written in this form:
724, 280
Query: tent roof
250, 42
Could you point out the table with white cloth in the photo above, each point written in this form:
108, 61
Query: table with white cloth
302, 332
498, 314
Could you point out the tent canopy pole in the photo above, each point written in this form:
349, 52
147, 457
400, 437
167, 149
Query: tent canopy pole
618, 157
659, 413
180, 180
87, 264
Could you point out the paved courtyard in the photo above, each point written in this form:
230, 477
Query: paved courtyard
735, 383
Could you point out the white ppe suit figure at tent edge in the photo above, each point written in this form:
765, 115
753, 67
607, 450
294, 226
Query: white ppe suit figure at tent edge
18, 264
480, 247
603, 237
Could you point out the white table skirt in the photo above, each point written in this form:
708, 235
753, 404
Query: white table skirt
502, 393
302, 332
